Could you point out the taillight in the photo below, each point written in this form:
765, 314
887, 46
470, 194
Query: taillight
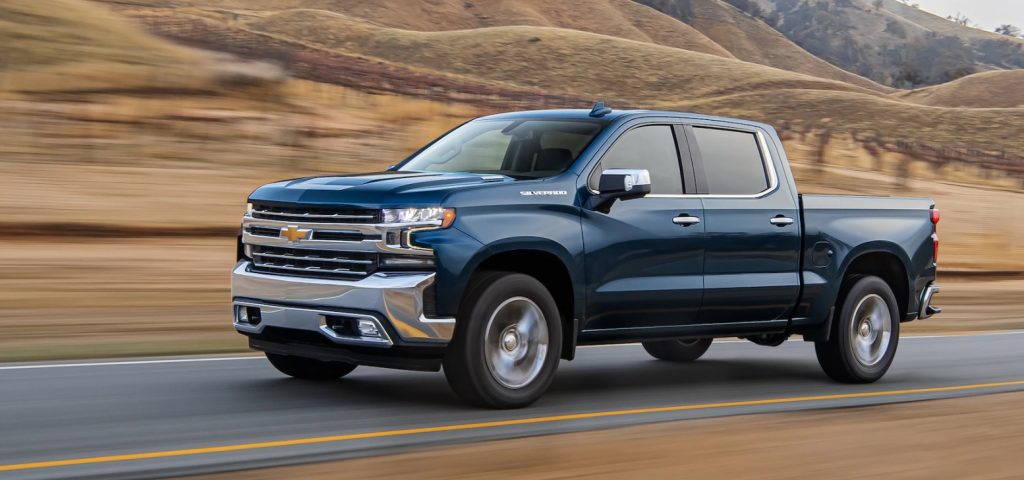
935, 236
935, 216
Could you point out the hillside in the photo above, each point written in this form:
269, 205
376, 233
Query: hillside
66, 31
996, 89
570, 62
888, 41
618, 18
752, 40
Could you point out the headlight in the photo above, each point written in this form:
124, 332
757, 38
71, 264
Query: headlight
248, 209
445, 216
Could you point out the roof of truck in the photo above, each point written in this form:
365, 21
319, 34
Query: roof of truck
584, 114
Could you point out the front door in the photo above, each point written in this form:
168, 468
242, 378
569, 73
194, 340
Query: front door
644, 258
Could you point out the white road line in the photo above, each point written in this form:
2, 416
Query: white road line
132, 362
254, 357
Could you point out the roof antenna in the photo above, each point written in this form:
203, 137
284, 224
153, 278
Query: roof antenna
599, 110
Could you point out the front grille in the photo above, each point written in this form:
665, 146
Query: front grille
296, 213
313, 263
331, 235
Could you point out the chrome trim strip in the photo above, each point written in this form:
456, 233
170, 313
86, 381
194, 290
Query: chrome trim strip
312, 216
300, 319
376, 243
926, 301
305, 269
766, 159
397, 298
315, 259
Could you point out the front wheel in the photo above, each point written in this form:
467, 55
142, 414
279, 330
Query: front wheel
507, 342
862, 343
308, 368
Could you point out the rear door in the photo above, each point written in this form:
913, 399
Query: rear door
752, 257
644, 258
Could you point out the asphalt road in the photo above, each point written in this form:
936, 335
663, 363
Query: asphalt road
125, 419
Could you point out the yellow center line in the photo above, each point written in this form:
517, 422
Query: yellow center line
491, 424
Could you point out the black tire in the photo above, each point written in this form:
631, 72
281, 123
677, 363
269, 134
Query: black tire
839, 356
466, 366
677, 350
308, 368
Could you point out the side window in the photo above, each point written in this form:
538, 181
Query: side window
652, 148
732, 161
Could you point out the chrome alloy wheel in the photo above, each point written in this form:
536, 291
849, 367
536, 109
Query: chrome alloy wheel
870, 330
516, 342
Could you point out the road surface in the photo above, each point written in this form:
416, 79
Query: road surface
161, 417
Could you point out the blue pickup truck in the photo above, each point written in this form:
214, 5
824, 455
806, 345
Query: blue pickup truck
500, 247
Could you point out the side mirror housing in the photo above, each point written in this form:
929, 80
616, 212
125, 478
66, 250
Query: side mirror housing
620, 184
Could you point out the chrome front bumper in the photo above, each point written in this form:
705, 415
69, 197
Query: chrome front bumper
393, 301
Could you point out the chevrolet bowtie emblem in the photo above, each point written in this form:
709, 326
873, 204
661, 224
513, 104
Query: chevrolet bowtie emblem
294, 234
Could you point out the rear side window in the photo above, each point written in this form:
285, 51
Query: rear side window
652, 148
732, 161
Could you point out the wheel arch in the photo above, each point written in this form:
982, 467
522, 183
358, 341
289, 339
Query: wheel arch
550, 265
885, 261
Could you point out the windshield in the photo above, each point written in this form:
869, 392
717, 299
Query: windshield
517, 148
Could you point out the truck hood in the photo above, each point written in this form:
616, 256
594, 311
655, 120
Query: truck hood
379, 189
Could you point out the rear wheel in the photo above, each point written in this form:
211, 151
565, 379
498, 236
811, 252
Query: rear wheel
864, 336
308, 368
677, 350
507, 342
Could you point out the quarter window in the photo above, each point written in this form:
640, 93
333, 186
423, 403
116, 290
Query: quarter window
652, 148
732, 161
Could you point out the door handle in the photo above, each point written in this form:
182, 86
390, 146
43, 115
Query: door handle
780, 221
686, 220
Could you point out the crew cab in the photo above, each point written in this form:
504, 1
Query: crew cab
499, 248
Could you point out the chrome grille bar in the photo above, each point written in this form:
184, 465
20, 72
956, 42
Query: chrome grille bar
307, 269
312, 258
313, 216
315, 213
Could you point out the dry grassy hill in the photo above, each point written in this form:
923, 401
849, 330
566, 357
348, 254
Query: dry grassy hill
618, 18
66, 31
44, 44
889, 42
996, 89
572, 62
752, 40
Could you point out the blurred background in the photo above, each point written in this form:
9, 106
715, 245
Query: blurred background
131, 131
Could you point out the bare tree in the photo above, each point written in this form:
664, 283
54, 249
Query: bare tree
960, 19
1009, 30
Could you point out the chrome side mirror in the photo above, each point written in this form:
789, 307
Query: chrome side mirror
620, 184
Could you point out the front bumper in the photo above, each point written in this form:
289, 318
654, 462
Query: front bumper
393, 302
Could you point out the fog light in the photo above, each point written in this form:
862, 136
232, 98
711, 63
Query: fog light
368, 328
250, 315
